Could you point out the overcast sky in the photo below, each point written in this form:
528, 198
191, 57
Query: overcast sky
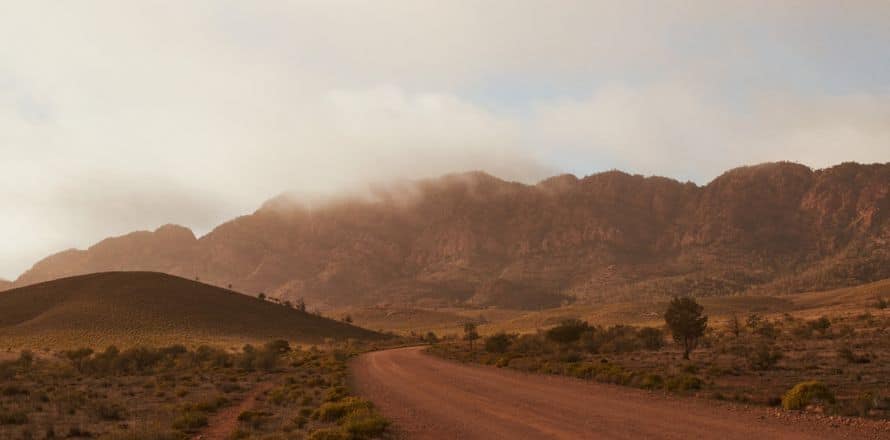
117, 116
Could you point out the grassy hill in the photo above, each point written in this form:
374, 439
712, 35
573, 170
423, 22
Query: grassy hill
129, 308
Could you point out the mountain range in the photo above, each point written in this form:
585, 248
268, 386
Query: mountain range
472, 239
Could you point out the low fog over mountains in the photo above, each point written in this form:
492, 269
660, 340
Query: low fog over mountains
475, 239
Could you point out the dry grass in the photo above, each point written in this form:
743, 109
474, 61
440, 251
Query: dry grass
445, 321
847, 352
177, 395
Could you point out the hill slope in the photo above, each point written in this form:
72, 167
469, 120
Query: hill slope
127, 308
473, 238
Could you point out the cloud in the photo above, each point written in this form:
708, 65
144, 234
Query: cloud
684, 131
117, 115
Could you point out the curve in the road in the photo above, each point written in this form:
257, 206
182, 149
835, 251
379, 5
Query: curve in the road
431, 398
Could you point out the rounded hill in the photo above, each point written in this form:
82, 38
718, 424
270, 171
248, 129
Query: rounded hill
130, 308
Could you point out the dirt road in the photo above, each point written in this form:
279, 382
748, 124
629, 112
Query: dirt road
430, 398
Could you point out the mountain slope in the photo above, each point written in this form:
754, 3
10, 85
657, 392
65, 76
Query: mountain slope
4, 284
143, 307
475, 239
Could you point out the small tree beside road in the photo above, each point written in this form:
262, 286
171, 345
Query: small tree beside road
684, 318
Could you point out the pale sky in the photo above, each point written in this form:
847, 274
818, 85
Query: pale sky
118, 116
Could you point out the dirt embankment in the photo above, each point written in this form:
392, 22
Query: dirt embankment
430, 398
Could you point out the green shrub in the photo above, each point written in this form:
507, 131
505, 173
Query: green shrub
683, 382
498, 343
190, 421
333, 411
212, 405
806, 393
652, 382
328, 434
364, 424
764, 357
568, 331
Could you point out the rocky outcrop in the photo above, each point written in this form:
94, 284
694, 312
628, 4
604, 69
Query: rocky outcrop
475, 239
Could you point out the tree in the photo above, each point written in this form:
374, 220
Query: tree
684, 318
568, 331
431, 338
754, 322
498, 343
261, 296
301, 305
347, 319
735, 327
470, 333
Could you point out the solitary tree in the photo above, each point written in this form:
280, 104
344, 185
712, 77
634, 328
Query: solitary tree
301, 305
684, 318
261, 296
470, 333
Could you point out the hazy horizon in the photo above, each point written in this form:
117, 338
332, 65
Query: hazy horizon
118, 117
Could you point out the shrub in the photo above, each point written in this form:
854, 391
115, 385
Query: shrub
618, 339
498, 343
333, 411
806, 393
431, 338
568, 331
147, 434
13, 390
279, 346
652, 382
109, 411
683, 382
820, 325
254, 418
364, 424
328, 434
190, 421
848, 355
13, 417
651, 338
767, 330
209, 406
764, 357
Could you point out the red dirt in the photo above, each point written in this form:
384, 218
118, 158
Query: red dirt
225, 422
431, 398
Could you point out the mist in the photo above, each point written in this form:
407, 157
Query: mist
119, 117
